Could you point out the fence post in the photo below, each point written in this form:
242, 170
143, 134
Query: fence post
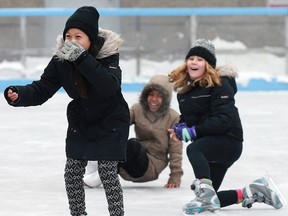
193, 29
138, 50
23, 39
286, 44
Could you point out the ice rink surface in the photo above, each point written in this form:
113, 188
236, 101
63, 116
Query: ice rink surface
32, 159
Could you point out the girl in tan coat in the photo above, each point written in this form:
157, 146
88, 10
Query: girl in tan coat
152, 150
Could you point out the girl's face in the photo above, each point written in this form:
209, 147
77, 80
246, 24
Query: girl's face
196, 67
79, 36
154, 100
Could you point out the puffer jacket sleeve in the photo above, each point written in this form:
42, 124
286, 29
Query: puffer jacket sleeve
39, 91
105, 74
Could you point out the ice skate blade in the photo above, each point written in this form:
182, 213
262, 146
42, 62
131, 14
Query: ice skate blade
199, 210
273, 186
204, 213
194, 212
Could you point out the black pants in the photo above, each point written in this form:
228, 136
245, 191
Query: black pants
211, 157
137, 160
74, 171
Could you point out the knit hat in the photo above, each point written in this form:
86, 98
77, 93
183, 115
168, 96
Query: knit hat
205, 49
86, 19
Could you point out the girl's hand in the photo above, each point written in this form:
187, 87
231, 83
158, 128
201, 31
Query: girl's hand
171, 185
173, 135
71, 51
13, 96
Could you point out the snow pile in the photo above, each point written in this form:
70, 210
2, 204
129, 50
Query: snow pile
250, 64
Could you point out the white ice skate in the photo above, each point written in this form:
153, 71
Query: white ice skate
206, 198
92, 166
92, 178
260, 191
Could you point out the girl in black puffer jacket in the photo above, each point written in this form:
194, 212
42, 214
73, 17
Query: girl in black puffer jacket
86, 65
210, 121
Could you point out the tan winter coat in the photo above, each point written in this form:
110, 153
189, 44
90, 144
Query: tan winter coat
151, 130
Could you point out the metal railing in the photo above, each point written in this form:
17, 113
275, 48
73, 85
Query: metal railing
193, 13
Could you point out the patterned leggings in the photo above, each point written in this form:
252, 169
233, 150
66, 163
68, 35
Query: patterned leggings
74, 172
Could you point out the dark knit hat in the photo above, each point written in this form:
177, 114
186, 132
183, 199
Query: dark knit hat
86, 19
205, 49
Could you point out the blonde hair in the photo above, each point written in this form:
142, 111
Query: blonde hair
182, 82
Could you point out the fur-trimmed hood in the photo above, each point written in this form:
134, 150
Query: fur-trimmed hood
230, 72
161, 84
110, 47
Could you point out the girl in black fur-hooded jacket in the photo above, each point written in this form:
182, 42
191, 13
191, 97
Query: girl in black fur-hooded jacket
210, 122
86, 65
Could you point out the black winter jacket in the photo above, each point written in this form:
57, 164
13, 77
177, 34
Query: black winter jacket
98, 126
212, 110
